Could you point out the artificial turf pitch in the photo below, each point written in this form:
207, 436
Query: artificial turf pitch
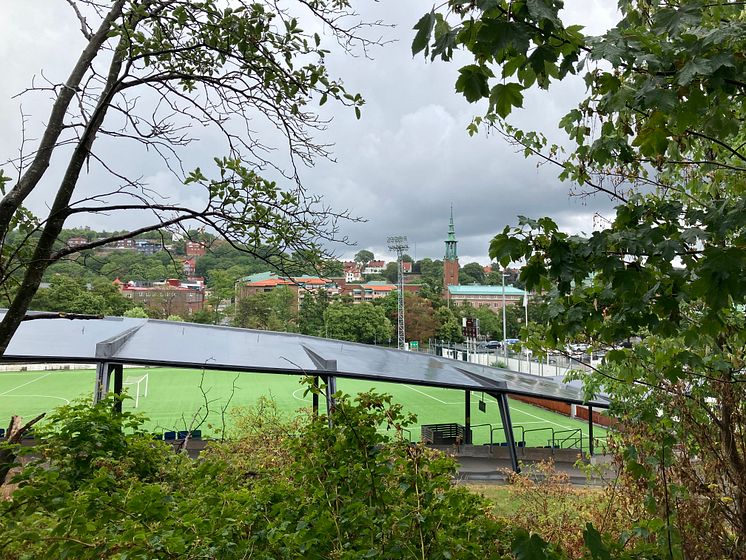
174, 397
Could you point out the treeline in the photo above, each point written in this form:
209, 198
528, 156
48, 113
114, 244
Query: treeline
84, 284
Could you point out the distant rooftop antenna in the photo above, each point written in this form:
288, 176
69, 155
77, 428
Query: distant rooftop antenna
398, 244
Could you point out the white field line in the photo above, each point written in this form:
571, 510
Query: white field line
515, 411
301, 399
27, 383
37, 372
39, 396
425, 394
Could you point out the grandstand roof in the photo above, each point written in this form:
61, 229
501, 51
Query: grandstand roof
190, 345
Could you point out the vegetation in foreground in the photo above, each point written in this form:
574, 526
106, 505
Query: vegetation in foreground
102, 488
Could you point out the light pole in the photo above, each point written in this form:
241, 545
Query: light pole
399, 245
505, 326
525, 307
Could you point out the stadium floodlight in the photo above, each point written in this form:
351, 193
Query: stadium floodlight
398, 244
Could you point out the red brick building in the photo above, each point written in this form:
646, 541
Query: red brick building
172, 297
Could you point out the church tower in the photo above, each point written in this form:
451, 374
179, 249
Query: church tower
450, 261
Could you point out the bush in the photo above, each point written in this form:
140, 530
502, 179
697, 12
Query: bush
104, 489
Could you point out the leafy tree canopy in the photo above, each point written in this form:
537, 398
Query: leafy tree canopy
148, 75
660, 131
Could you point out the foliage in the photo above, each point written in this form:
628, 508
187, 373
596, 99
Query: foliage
471, 273
450, 326
66, 294
339, 489
432, 275
359, 322
275, 310
147, 75
661, 132
136, 312
546, 503
363, 257
311, 313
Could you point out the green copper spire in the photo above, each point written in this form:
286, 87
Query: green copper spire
451, 252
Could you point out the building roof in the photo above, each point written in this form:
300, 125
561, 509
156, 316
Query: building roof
190, 345
481, 290
270, 279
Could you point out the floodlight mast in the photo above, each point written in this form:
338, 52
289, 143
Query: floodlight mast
398, 244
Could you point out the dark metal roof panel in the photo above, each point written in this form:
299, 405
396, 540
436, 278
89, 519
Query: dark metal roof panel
148, 341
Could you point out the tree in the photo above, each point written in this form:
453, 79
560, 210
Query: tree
72, 295
116, 303
391, 272
432, 274
474, 273
450, 327
362, 258
136, 312
660, 131
311, 313
332, 268
360, 322
420, 320
147, 73
273, 311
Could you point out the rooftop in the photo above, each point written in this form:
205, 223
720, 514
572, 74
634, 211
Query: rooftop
480, 290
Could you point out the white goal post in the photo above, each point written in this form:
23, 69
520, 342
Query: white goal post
138, 381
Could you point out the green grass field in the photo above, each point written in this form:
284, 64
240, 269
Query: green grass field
174, 397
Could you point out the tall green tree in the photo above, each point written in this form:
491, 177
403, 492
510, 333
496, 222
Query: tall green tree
359, 322
149, 72
363, 257
311, 313
450, 326
273, 311
661, 132
472, 273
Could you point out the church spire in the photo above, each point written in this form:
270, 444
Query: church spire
450, 262
451, 251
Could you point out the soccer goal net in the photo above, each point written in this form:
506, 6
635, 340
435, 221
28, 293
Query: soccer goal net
140, 383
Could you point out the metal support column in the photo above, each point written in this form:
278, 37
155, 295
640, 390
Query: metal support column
118, 370
590, 431
101, 388
331, 388
502, 403
104, 371
315, 396
467, 417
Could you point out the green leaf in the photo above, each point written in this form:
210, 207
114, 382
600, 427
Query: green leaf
541, 11
594, 543
529, 547
424, 29
504, 97
472, 82
653, 137
694, 67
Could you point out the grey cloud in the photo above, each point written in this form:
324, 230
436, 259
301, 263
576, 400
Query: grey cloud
401, 166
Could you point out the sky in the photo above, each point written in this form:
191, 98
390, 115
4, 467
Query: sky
401, 167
